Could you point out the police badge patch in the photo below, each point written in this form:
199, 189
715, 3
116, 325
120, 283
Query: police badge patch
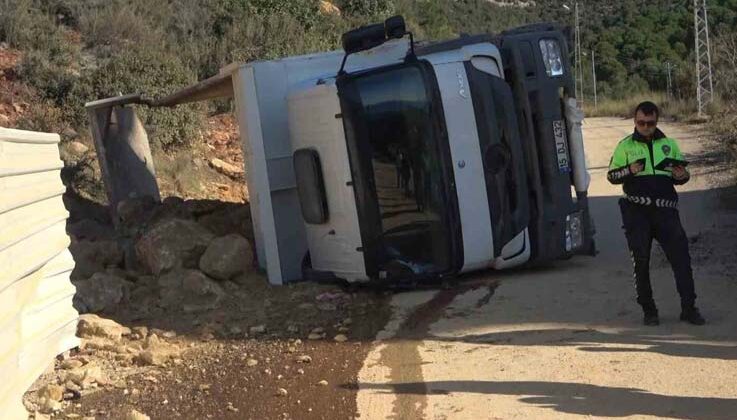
666, 149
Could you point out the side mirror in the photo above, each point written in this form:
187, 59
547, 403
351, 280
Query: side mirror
367, 37
395, 27
363, 38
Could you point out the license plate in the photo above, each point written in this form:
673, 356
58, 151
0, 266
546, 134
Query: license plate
561, 146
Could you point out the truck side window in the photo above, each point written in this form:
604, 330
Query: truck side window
310, 186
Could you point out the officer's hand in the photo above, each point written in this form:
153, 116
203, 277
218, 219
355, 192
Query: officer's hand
636, 167
679, 173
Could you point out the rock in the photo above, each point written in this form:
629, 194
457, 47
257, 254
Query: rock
323, 383
328, 8
318, 330
172, 243
327, 306
136, 415
303, 359
85, 376
71, 364
49, 406
258, 329
90, 229
226, 168
347, 321
52, 392
134, 212
226, 257
293, 329
139, 332
331, 296
230, 407
340, 338
251, 362
301, 371
91, 325
281, 392
41, 416
91, 257
315, 336
233, 218
101, 292
76, 147
343, 329
157, 352
190, 290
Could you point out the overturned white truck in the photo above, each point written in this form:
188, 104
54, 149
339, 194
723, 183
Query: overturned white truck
394, 162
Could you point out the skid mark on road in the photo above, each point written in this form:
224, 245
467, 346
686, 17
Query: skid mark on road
402, 355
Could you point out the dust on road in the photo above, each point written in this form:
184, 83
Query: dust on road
567, 340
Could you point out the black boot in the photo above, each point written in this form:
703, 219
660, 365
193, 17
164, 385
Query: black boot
651, 316
692, 316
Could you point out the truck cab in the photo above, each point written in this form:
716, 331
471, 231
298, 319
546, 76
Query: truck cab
455, 158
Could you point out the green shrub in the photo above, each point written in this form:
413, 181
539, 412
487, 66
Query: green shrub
367, 8
149, 72
51, 78
44, 117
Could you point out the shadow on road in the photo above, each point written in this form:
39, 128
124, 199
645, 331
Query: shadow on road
601, 342
584, 399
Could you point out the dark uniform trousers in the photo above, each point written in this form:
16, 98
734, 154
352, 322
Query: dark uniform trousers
643, 223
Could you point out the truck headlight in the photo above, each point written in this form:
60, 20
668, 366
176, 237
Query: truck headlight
574, 231
550, 50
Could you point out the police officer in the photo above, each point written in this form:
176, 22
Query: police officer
650, 209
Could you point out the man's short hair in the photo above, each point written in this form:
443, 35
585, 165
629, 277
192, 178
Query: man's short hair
648, 108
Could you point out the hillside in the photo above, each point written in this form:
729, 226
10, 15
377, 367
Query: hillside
61, 53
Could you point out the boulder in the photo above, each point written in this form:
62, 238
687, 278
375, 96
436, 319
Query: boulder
227, 257
101, 292
189, 290
231, 218
172, 243
91, 326
90, 229
133, 212
91, 257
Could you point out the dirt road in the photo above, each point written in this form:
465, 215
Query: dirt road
567, 341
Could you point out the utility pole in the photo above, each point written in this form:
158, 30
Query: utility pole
669, 80
579, 65
593, 74
704, 84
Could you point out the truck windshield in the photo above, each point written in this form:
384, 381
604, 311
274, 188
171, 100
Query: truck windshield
393, 125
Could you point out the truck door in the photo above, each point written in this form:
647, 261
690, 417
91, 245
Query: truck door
398, 151
501, 149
